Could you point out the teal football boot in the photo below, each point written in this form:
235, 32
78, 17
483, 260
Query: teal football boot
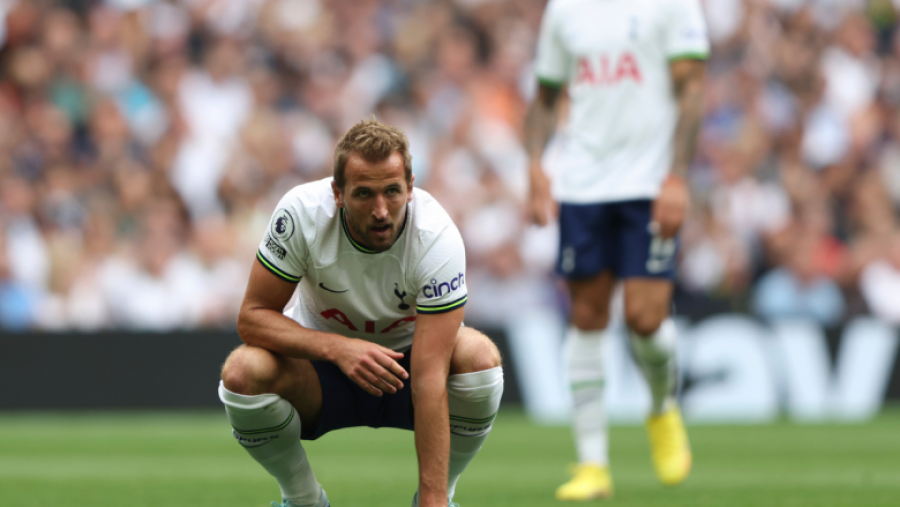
323, 502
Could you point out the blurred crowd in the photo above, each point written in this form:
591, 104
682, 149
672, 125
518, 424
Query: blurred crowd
144, 145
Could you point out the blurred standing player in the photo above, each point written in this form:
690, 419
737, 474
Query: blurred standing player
376, 337
634, 70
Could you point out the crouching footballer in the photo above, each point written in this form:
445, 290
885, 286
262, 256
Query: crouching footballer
376, 337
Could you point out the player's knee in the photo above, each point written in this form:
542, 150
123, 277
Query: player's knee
490, 356
644, 321
249, 370
475, 352
588, 317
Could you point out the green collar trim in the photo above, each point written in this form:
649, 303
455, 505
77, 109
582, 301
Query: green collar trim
552, 83
689, 56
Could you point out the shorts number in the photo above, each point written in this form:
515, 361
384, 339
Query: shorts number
662, 251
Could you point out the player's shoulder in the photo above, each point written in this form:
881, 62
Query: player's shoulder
563, 7
429, 219
428, 214
567, 4
310, 194
678, 6
310, 200
307, 207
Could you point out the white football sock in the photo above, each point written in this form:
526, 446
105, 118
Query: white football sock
656, 357
473, 401
268, 426
587, 379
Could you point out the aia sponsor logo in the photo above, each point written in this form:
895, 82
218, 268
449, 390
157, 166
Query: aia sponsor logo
369, 326
607, 70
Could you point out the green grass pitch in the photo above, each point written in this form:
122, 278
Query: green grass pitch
161, 459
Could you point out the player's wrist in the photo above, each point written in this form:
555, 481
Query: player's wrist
538, 180
336, 348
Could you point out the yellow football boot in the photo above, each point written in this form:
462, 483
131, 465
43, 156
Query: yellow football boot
588, 482
669, 447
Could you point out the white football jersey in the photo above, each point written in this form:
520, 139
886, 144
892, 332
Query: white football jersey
348, 290
615, 55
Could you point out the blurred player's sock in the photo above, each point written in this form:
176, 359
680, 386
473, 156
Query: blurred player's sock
586, 379
656, 355
269, 428
473, 401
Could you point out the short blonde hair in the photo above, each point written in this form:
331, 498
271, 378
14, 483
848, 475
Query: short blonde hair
374, 141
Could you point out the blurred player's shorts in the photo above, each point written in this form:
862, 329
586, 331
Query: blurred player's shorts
613, 236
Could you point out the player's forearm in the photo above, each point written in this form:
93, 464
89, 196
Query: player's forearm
432, 437
689, 92
271, 330
540, 123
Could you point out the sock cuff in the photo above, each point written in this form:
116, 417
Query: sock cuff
584, 355
666, 329
659, 346
477, 385
588, 335
237, 401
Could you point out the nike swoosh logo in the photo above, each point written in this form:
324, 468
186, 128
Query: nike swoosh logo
329, 290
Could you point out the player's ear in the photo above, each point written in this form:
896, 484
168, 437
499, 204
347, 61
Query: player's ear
412, 179
338, 199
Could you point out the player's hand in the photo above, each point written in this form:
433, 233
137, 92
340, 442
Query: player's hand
372, 366
670, 207
541, 207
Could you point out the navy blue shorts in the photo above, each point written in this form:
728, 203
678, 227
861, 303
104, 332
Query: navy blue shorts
612, 236
345, 404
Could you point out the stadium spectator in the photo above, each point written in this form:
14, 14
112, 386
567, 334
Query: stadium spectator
17, 303
800, 290
107, 106
880, 284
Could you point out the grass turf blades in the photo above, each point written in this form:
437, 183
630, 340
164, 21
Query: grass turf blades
163, 459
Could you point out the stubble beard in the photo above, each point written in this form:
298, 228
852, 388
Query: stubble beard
362, 232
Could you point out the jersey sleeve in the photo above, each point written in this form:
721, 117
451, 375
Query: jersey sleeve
553, 63
283, 250
685, 32
441, 275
